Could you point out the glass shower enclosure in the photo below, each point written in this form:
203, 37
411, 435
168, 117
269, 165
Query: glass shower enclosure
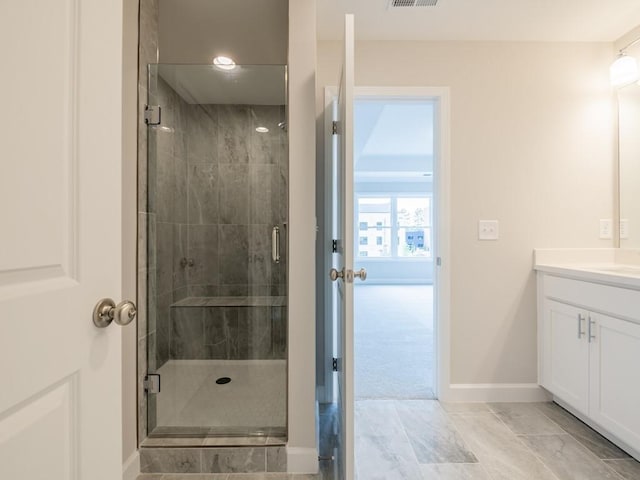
217, 250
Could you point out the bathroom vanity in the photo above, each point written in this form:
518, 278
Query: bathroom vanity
589, 338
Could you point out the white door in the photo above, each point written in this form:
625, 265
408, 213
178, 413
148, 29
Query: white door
344, 257
60, 201
567, 357
614, 386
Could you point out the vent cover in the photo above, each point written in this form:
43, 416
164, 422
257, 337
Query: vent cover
412, 3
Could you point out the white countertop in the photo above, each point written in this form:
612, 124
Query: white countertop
610, 266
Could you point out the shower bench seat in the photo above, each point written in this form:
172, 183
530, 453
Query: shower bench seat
251, 301
228, 328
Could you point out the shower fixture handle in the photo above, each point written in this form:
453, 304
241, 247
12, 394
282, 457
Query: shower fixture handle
275, 244
106, 311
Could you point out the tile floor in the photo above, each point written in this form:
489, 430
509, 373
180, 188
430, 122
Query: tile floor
427, 440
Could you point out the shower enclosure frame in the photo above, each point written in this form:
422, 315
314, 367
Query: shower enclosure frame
224, 303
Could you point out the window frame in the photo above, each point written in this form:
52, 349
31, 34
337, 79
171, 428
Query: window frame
394, 228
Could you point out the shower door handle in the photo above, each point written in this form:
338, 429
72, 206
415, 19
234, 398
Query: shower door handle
275, 244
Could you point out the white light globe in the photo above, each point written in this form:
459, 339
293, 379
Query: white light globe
624, 71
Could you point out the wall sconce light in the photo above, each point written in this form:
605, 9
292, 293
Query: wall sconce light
624, 70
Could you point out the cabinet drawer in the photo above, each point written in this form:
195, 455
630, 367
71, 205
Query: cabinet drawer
620, 302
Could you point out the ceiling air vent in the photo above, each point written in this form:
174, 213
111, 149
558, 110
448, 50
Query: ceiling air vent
412, 3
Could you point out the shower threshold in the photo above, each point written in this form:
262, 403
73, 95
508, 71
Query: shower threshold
219, 403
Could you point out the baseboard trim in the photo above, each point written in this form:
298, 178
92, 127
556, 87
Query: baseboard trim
495, 392
302, 460
131, 467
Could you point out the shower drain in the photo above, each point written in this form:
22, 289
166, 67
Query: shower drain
223, 380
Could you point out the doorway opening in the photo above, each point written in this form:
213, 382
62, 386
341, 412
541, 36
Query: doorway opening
394, 154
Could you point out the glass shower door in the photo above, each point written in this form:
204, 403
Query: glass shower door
217, 236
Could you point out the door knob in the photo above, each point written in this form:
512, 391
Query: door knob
335, 274
361, 274
107, 311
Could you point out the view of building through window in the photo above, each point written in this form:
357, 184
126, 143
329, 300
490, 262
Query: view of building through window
394, 226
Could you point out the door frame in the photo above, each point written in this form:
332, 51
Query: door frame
441, 222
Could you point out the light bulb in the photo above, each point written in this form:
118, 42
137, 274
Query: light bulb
624, 71
224, 63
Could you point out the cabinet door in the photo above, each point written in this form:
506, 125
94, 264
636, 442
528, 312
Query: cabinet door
565, 352
615, 377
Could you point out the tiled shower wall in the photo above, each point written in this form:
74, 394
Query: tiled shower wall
217, 188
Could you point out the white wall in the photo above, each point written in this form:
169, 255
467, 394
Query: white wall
531, 146
302, 451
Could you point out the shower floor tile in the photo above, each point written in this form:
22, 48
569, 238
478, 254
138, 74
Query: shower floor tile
254, 399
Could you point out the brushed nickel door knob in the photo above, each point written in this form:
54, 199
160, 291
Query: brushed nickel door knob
106, 311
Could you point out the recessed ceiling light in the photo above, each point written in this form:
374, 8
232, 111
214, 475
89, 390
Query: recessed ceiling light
224, 63
262, 129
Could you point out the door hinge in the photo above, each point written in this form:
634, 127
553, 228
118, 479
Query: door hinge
334, 128
334, 364
438, 261
152, 114
334, 246
152, 383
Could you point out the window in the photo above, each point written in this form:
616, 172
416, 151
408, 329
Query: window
400, 226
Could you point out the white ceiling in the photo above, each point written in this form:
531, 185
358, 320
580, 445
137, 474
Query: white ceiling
483, 20
393, 140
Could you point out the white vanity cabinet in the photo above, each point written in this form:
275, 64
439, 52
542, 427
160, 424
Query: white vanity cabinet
589, 352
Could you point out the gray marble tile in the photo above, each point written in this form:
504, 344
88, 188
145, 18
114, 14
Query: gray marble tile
525, 418
234, 193
221, 332
385, 458
454, 471
205, 186
628, 468
233, 460
203, 290
202, 133
233, 241
567, 458
187, 334
238, 290
260, 336
170, 460
202, 476
164, 269
173, 442
163, 328
260, 261
203, 249
265, 147
180, 236
382, 449
234, 441
149, 476
463, 407
498, 449
431, 433
276, 459
234, 128
263, 201
591, 439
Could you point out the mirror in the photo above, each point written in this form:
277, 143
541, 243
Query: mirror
629, 165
